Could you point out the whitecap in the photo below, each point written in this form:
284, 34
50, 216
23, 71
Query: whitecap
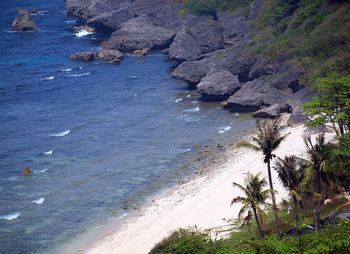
48, 152
11, 216
178, 100
236, 114
123, 215
188, 96
194, 102
67, 70
71, 21
50, 78
39, 201
60, 134
79, 74
186, 150
196, 109
12, 178
224, 129
82, 33
43, 171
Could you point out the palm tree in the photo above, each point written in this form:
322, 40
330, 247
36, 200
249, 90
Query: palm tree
268, 139
254, 197
291, 173
321, 156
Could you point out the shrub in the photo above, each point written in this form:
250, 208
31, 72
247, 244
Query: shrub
185, 241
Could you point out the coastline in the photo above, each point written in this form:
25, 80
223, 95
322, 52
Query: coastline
202, 202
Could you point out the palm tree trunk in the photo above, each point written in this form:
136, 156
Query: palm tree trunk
318, 204
274, 206
257, 221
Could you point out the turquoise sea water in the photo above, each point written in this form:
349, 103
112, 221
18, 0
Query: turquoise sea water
99, 137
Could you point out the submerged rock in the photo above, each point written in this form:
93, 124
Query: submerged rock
218, 86
24, 22
27, 172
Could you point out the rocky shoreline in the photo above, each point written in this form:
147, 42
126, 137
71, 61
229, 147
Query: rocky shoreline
211, 51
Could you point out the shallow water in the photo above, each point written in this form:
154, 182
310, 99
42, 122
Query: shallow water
98, 137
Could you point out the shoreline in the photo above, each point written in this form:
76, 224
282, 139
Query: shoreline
203, 202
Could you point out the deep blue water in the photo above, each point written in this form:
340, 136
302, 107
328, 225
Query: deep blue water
114, 133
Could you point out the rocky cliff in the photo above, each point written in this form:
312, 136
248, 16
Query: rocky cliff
216, 47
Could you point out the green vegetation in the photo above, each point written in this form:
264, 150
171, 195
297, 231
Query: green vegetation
311, 34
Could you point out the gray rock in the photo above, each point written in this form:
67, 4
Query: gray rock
139, 33
272, 111
83, 56
110, 55
297, 118
194, 71
255, 95
235, 26
255, 8
184, 47
218, 86
24, 22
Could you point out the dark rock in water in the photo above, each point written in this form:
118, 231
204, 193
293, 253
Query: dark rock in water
112, 56
184, 47
27, 172
226, 59
139, 33
272, 111
218, 86
83, 56
255, 95
24, 22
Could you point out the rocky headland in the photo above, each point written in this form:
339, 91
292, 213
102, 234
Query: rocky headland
211, 51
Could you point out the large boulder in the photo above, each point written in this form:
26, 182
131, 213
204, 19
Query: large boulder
255, 95
194, 71
272, 111
24, 22
218, 86
184, 47
139, 33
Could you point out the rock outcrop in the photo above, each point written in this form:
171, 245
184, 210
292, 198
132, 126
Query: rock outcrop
184, 47
24, 22
255, 95
139, 33
218, 86
83, 56
272, 111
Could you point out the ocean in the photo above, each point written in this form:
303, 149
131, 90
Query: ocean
99, 137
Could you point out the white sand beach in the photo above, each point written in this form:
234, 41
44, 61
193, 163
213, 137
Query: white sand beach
203, 202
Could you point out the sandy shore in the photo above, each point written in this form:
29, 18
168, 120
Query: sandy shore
203, 202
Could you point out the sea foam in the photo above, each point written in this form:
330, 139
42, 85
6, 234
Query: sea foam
11, 216
196, 109
224, 129
50, 78
48, 152
60, 134
79, 74
82, 33
66, 70
39, 201
178, 100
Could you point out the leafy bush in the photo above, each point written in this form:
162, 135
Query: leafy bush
185, 241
